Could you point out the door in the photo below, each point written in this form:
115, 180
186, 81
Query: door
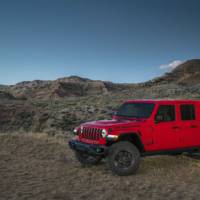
166, 128
190, 125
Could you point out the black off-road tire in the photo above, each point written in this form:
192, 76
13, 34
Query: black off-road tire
86, 159
130, 158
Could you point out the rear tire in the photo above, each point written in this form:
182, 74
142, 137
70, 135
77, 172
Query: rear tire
86, 159
123, 158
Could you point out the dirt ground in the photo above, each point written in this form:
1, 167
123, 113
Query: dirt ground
39, 167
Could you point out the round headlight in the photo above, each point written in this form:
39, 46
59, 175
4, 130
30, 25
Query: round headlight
104, 133
75, 131
81, 129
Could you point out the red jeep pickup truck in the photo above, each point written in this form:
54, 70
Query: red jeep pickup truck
139, 128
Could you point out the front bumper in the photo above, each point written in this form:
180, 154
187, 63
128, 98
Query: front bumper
92, 149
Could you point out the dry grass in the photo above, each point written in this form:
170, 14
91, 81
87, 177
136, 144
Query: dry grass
36, 166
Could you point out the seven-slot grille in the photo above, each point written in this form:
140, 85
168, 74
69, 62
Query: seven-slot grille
91, 133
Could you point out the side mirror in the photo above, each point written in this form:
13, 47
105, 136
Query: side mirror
114, 112
159, 118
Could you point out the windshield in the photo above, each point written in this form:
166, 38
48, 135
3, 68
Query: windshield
136, 110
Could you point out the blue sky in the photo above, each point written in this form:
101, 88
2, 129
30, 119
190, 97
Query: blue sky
115, 40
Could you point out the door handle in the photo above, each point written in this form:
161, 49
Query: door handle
193, 126
175, 127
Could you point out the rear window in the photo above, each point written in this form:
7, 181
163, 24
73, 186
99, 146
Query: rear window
187, 112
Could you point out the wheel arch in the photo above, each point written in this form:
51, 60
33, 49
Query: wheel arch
134, 138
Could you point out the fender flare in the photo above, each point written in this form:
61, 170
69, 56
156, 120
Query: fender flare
133, 137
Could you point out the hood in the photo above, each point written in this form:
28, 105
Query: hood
113, 122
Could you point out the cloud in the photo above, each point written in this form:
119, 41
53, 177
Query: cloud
171, 65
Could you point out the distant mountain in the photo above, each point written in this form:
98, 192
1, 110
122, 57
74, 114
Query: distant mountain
62, 88
187, 73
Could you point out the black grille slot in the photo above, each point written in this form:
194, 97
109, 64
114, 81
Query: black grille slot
91, 133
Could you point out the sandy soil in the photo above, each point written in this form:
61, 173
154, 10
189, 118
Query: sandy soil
39, 167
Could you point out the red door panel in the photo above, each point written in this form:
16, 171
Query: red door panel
167, 136
167, 132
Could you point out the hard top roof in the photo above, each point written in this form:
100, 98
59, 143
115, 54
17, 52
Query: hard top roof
163, 100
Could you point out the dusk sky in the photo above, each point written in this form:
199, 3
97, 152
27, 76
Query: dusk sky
114, 40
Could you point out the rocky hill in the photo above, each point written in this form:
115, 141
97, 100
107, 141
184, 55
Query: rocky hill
72, 86
6, 96
187, 73
60, 105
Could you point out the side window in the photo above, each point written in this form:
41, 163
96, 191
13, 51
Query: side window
166, 113
187, 112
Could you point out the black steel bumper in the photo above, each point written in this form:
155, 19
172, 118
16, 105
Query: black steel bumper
92, 149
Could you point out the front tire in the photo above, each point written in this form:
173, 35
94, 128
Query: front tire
123, 158
86, 159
